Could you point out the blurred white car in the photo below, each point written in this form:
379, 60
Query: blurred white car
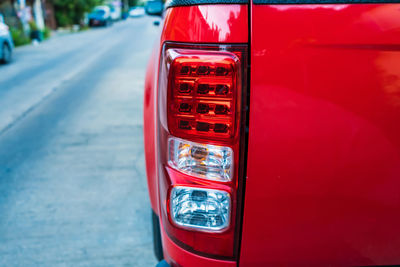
6, 42
136, 11
116, 12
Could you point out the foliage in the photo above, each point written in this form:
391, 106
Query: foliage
136, 3
19, 37
46, 32
33, 26
84, 28
70, 12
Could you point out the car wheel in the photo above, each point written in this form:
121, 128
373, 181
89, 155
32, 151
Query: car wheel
158, 251
6, 54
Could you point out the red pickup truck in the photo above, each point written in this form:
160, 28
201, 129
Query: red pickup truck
272, 133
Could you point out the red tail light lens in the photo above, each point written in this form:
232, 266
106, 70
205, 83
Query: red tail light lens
201, 133
202, 94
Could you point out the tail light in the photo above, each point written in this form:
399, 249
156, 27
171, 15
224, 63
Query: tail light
200, 132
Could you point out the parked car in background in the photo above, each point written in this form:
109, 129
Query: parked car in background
154, 7
136, 12
101, 16
6, 42
272, 133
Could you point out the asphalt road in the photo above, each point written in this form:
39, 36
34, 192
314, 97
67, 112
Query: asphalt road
73, 188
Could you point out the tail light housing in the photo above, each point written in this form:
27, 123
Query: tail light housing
201, 100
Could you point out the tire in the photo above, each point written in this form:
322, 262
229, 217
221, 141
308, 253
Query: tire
6, 54
158, 250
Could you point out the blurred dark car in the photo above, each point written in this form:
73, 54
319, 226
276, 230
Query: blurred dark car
6, 42
101, 16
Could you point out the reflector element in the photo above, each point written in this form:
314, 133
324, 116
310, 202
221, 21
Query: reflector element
199, 208
201, 160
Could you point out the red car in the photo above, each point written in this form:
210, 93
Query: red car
272, 133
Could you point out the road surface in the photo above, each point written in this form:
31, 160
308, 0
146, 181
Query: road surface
72, 179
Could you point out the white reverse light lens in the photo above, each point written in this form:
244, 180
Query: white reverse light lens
201, 160
199, 208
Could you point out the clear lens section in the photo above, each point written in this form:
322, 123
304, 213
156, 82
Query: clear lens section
200, 208
202, 160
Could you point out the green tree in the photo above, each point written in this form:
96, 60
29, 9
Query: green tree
136, 2
69, 12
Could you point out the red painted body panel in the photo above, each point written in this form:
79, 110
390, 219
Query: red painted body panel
206, 24
174, 255
149, 127
323, 185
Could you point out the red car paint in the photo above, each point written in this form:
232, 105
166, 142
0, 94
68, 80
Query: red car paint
323, 164
323, 176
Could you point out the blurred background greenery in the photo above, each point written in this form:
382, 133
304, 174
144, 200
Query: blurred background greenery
37, 19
